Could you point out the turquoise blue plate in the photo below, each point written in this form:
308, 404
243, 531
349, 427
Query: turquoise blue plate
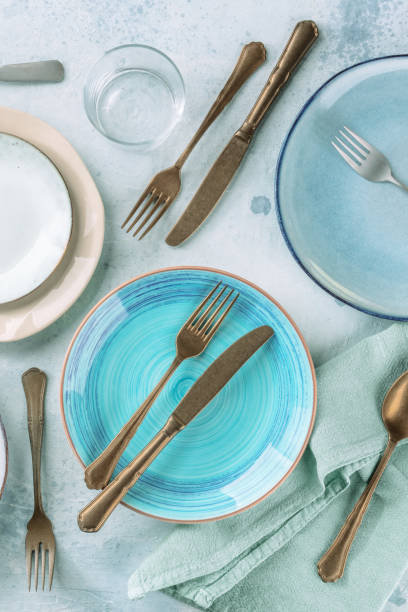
348, 234
241, 446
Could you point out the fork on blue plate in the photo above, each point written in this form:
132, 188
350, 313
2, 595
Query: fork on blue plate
363, 158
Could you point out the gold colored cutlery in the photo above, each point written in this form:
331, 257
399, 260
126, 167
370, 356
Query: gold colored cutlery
164, 187
193, 337
221, 173
95, 514
395, 417
40, 536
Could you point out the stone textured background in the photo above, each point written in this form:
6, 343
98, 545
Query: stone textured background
204, 38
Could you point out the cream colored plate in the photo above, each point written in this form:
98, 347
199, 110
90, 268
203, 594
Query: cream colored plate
49, 301
35, 218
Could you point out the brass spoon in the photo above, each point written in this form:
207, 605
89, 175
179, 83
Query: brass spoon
395, 418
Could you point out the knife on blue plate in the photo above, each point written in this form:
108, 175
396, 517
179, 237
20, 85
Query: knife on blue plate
221, 173
94, 515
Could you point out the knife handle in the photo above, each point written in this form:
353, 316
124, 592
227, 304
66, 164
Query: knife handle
94, 515
252, 56
302, 38
99, 472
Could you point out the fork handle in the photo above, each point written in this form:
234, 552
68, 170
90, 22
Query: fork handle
34, 383
98, 473
95, 514
252, 56
302, 38
395, 181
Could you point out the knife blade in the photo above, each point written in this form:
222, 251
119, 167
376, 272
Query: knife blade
210, 191
222, 171
219, 373
94, 515
50, 71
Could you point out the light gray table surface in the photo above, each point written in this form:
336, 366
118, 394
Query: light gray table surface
242, 236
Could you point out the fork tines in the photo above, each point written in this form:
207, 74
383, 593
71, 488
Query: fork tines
156, 205
37, 550
353, 149
205, 323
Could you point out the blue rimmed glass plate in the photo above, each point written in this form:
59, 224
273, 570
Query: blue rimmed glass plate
241, 446
348, 234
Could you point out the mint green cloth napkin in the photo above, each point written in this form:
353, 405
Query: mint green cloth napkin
265, 558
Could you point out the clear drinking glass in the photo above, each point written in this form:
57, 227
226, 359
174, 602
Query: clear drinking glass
134, 96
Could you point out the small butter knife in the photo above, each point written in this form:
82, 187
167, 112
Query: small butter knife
94, 515
50, 71
221, 173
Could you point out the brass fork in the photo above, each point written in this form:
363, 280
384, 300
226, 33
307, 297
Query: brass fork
192, 339
164, 187
40, 535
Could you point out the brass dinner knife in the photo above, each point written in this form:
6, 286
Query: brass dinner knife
221, 173
94, 515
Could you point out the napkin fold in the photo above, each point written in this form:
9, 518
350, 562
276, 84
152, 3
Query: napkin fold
265, 558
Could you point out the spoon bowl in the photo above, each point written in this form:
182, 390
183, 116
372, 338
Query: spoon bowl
395, 409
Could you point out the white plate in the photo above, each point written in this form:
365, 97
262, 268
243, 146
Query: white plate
35, 218
40, 308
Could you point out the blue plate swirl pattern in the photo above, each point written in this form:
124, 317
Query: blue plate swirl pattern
241, 446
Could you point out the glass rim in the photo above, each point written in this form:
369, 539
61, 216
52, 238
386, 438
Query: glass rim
141, 144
